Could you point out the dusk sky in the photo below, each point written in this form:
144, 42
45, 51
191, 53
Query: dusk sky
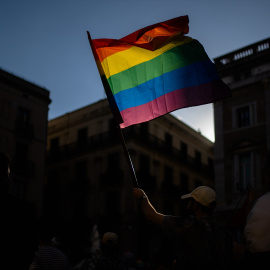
45, 41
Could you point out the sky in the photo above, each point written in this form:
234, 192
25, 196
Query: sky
45, 42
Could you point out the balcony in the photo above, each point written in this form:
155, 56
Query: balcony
103, 140
257, 52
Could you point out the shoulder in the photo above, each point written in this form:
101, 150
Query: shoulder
260, 211
263, 203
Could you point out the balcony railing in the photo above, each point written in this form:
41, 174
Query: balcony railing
259, 48
147, 140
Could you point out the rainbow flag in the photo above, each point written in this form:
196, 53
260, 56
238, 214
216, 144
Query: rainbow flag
156, 70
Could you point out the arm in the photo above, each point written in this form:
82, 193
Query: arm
147, 208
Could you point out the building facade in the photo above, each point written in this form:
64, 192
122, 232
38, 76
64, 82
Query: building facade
242, 124
89, 176
23, 134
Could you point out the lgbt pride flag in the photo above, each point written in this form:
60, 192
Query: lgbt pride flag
156, 70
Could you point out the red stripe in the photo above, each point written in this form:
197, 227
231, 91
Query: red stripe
187, 97
179, 24
157, 34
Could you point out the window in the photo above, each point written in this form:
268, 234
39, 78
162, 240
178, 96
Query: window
5, 109
82, 137
168, 175
23, 122
21, 151
198, 158
54, 147
144, 129
210, 166
81, 171
168, 141
156, 169
97, 168
23, 116
243, 170
113, 162
210, 163
244, 116
184, 183
4, 143
113, 128
144, 164
21, 155
184, 150
242, 75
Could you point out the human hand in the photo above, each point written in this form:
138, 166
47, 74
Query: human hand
138, 193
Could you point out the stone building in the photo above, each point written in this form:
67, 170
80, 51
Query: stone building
23, 134
242, 124
88, 173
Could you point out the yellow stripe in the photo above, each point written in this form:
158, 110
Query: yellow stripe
126, 59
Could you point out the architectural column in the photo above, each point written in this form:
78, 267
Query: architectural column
266, 83
219, 153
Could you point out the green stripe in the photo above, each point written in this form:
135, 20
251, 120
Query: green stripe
175, 58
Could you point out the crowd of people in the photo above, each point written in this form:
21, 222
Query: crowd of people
194, 240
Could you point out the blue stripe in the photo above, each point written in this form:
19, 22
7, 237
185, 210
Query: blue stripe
192, 75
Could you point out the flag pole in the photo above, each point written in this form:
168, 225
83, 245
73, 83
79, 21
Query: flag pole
115, 111
128, 157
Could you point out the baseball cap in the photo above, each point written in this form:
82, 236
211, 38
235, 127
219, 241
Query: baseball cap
203, 194
109, 238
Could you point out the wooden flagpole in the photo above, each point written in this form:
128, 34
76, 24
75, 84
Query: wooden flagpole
116, 113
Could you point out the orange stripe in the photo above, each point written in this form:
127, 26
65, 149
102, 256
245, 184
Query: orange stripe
105, 52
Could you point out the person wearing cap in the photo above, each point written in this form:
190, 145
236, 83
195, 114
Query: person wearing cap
110, 258
193, 241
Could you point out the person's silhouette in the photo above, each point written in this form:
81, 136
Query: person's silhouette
17, 223
48, 256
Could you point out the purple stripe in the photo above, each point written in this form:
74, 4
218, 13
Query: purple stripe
187, 97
